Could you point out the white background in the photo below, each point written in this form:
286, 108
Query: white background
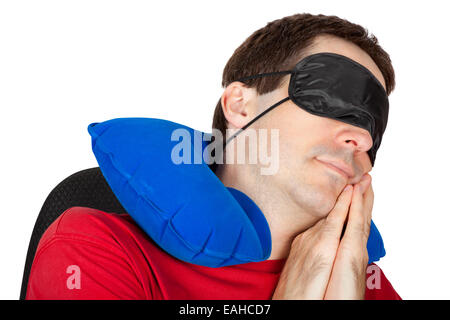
65, 64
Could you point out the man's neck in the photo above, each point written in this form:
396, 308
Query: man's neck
286, 220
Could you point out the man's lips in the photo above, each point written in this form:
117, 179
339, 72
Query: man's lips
338, 166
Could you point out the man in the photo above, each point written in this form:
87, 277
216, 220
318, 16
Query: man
319, 227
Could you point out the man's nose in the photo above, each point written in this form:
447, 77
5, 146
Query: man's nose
355, 138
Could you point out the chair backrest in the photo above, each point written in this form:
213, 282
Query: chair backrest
86, 188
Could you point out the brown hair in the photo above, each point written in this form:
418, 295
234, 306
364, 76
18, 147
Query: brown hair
282, 43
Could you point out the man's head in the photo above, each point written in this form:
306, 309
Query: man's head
306, 142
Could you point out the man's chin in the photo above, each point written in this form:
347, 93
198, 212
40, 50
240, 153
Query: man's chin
317, 200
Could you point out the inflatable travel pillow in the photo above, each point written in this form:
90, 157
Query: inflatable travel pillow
184, 207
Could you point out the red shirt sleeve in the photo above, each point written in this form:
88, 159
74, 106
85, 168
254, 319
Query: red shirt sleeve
82, 265
378, 286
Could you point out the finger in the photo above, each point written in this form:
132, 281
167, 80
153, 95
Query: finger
368, 205
338, 214
364, 183
360, 212
369, 198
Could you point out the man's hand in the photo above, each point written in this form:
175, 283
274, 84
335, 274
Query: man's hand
348, 278
309, 272
308, 267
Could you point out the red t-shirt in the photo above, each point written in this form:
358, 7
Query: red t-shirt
89, 254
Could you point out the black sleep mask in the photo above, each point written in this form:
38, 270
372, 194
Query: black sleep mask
334, 86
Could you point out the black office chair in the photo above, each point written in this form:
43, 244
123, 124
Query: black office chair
86, 188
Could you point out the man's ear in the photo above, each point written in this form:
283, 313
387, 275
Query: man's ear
238, 104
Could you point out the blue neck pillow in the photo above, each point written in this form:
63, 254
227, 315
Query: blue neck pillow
184, 207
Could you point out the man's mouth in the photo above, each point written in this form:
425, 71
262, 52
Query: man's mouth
339, 167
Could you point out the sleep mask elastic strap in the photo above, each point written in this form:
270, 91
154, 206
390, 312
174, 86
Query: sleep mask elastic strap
260, 75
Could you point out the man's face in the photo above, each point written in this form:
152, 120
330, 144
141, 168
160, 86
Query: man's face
311, 147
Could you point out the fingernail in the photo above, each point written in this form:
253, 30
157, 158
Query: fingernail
364, 183
348, 187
